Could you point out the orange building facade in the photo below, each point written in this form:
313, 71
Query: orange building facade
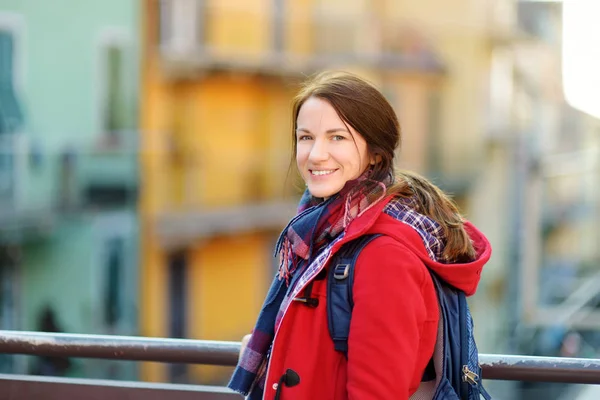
217, 82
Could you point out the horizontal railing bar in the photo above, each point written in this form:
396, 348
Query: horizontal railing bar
133, 348
27, 387
540, 369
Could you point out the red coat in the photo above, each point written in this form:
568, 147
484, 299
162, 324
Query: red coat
393, 326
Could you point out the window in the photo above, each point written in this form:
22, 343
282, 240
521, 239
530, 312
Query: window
6, 169
434, 115
113, 291
114, 117
181, 24
117, 102
501, 92
11, 116
178, 308
165, 16
278, 25
116, 98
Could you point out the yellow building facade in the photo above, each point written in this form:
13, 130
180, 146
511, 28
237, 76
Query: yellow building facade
217, 82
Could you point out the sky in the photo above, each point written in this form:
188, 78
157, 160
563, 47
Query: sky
581, 55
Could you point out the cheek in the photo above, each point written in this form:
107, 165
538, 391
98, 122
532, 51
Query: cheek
359, 161
363, 159
300, 158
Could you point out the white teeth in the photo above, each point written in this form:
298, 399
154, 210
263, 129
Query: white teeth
323, 172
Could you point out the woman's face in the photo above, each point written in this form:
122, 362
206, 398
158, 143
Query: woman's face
328, 152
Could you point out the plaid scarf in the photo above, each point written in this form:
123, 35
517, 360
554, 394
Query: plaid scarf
318, 222
304, 247
431, 232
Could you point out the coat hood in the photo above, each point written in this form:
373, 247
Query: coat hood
463, 276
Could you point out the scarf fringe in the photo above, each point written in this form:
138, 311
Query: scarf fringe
287, 261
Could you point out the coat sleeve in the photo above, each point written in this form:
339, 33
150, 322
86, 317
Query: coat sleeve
387, 320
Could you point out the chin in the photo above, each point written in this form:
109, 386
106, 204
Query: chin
322, 193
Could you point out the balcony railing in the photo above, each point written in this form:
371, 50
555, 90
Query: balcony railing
107, 173
180, 228
25, 207
495, 366
12, 159
196, 35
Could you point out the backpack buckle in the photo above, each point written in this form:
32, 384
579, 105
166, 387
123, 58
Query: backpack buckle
341, 271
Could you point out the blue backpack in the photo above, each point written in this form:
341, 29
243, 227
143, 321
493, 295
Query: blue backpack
454, 371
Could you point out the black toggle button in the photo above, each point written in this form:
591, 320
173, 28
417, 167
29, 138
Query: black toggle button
290, 379
311, 302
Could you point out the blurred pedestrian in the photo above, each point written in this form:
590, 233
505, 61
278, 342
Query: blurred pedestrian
345, 135
50, 365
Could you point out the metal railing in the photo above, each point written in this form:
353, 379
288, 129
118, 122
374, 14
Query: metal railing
497, 367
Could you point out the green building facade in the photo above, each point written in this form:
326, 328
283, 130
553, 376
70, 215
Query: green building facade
68, 173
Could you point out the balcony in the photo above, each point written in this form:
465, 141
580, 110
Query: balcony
21, 216
107, 174
185, 227
103, 175
10, 168
196, 37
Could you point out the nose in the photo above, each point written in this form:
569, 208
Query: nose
319, 151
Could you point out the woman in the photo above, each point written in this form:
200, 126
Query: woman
345, 134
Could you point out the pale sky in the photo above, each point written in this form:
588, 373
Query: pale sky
581, 54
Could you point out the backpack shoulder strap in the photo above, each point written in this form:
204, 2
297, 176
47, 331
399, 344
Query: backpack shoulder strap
340, 281
339, 290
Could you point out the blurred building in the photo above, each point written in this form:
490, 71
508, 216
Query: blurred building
217, 83
563, 149
539, 202
68, 171
552, 152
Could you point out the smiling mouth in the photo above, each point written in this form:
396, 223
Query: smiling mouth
322, 172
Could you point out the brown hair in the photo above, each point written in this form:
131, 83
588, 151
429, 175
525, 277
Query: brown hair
363, 107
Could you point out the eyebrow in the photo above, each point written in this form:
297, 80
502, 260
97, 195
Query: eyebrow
334, 130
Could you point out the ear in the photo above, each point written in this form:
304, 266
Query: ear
376, 159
